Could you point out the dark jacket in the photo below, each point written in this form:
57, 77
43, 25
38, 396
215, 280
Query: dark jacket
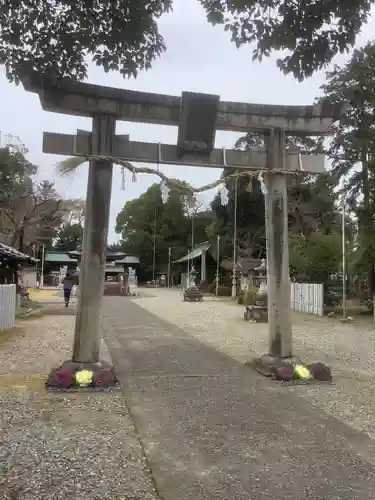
67, 283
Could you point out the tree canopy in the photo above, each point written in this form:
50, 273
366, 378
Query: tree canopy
69, 237
171, 223
352, 147
33, 212
55, 37
312, 31
27, 208
315, 259
314, 222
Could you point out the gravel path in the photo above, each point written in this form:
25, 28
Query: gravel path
62, 446
349, 349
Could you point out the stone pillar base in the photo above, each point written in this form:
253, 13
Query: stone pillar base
76, 376
282, 369
256, 314
193, 294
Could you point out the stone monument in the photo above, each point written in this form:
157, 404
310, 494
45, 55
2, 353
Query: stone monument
259, 311
193, 293
63, 271
132, 281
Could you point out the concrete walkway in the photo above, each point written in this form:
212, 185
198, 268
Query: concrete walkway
213, 429
347, 348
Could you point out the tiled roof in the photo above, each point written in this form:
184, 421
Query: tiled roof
196, 252
110, 255
59, 257
12, 253
118, 257
244, 264
74, 256
128, 259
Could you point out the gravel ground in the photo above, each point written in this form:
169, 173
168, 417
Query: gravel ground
349, 349
62, 446
84, 446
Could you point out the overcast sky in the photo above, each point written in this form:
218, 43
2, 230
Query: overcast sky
199, 58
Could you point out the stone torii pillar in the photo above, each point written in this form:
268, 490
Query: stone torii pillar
85, 368
92, 270
277, 245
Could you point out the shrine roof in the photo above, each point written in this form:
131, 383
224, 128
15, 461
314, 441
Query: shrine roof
244, 265
119, 258
11, 253
196, 252
59, 257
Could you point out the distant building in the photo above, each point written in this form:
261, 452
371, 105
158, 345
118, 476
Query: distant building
117, 263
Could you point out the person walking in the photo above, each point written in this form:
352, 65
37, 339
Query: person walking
67, 285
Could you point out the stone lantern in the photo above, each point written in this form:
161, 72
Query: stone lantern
193, 293
261, 298
259, 311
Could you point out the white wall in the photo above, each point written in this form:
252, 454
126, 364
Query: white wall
307, 298
7, 307
29, 278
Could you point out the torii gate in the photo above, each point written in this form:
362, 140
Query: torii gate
197, 116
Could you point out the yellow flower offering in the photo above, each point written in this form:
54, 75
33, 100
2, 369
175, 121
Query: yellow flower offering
302, 372
84, 377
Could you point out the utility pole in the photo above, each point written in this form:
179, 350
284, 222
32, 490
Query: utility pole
154, 250
217, 264
189, 267
234, 288
192, 233
169, 266
343, 236
42, 267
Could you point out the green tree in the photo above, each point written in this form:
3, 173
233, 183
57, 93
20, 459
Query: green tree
305, 144
250, 218
69, 238
29, 211
16, 172
40, 214
147, 217
353, 135
222, 225
311, 198
54, 38
312, 32
352, 146
315, 259
311, 203
75, 211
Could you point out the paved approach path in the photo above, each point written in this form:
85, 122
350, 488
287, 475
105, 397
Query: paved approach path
213, 429
348, 348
